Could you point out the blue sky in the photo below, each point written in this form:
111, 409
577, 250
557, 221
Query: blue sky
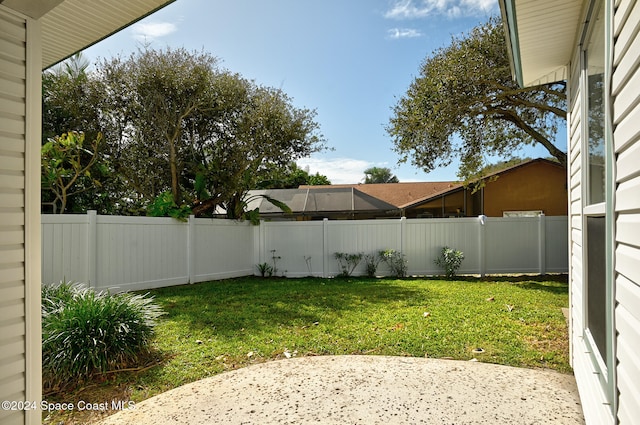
350, 60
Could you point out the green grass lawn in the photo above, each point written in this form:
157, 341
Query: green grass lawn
218, 326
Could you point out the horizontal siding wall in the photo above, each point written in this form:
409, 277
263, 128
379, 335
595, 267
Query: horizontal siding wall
574, 123
626, 123
126, 253
12, 214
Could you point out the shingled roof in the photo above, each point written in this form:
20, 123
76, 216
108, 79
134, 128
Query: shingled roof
396, 194
318, 199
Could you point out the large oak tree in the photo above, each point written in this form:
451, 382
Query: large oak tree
179, 131
465, 106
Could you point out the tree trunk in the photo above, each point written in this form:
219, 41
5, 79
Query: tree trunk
173, 166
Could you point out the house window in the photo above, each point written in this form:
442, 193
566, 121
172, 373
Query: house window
594, 181
533, 213
594, 58
596, 283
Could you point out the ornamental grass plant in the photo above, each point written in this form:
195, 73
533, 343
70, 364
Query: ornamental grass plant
85, 333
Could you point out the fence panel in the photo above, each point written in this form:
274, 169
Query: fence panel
556, 244
65, 248
361, 236
141, 252
220, 249
511, 245
425, 238
128, 253
297, 245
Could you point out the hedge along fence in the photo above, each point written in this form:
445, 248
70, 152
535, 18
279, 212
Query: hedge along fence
131, 253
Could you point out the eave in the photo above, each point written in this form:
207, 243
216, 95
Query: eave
541, 35
69, 26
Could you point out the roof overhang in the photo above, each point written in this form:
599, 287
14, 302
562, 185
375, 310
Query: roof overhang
541, 36
69, 26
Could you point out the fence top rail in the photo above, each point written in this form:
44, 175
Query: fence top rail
83, 218
64, 219
137, 220
295, 223
220, 221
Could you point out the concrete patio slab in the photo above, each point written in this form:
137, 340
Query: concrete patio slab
366, 390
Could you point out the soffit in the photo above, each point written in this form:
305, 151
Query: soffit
546, 34
32, 8
73, 25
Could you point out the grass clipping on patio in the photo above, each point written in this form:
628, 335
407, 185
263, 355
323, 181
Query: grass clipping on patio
219, 326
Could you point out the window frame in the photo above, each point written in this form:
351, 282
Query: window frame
604, 367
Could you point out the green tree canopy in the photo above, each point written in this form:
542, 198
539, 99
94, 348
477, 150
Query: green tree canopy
173, 122
149, 98
70, 102
66, 162
465, 106
379, 175
254, 132
292, 176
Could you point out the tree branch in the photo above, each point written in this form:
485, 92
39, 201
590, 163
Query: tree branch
537, 136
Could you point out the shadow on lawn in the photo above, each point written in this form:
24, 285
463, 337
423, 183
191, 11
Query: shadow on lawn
257, 304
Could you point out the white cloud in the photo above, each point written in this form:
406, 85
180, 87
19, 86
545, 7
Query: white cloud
148, 31
397, 33
338, 170
412, 9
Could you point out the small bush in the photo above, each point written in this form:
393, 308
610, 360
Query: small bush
371, 263
86, 332
265, 269
347, 262
396, 261
450, 260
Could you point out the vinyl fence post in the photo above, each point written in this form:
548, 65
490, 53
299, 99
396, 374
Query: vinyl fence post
482, 219
258, 249
403, 234
325, 247
542, 244
92, 245
191, 258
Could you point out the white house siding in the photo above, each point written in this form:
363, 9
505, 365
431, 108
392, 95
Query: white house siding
594, 400
626, 128
575, 203
12, 218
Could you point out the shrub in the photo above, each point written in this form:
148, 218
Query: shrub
396, 261
347, 262
450, 260
371, 263
265, 269
86, 332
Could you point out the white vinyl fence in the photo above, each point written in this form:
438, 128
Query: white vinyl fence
130, 253
490, 245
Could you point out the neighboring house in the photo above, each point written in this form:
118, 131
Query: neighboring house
533, 187
530, 188
311, 203
34, 34
396, 194
595, 47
